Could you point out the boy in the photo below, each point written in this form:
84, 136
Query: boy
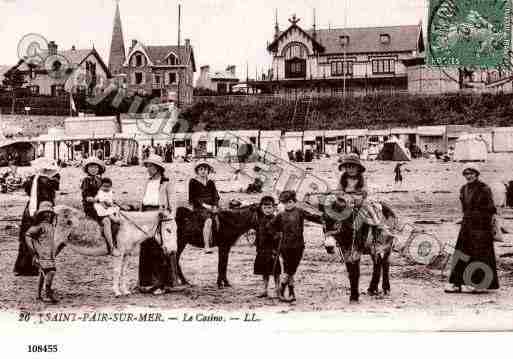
267, 262
40, 241
290, 222
107, 212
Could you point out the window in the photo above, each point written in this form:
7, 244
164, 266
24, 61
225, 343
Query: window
57, 90
138, 78
34, 90
172, 60
172, 77
385, 66
344, 40
138, 60
295, 50
384, 38
341, 68
156, 79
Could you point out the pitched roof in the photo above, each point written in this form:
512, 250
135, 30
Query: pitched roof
367, 39
158, 54
74, 56
273, 45
224, 75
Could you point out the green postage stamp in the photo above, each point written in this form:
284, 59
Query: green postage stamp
469, 33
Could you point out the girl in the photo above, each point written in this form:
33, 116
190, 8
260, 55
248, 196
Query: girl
354, 185
204, 198
40, 241
40, 187
107, 212
94, 168
266, 261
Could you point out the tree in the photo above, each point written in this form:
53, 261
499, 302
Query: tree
13, 81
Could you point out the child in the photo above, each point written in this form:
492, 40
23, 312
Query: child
266, 262
398, 174
204, 198
107, 212
290, 223
353, 184
40, 241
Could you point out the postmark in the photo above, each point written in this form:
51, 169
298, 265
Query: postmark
469, 33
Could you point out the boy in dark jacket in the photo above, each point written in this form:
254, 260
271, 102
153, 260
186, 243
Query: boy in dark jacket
290, 223
267, 262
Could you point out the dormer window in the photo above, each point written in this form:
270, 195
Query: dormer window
344, 40
384, 39
172, 60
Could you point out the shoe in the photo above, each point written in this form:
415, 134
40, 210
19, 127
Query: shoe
453, 289
158, 291
372, 292
354, 300
51, 298
262, 295
209, 250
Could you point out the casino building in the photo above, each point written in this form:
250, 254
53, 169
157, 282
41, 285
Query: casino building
331, 61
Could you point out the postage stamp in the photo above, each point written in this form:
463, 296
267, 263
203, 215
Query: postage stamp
472, 33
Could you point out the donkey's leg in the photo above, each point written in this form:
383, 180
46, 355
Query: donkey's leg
179, 250
377, 263
386, 272
124, 278
353, 271
222, 267
117, 263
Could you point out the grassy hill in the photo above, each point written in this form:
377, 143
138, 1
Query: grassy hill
376, 111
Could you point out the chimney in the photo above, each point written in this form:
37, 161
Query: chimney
134, 42
73, 48
187, 43
52, 48
231, 69
205, 69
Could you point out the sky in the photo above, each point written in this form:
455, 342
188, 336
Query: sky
222, 32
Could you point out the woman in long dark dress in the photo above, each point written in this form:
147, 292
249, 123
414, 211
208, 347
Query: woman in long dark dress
473, 261
40, 187
204, 198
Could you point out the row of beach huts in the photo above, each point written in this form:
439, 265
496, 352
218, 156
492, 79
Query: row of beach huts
85, 136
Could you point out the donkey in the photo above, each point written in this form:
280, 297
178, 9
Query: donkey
232, 224
82, 235
353, 237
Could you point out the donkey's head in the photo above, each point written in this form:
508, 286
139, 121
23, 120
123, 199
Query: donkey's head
73, 227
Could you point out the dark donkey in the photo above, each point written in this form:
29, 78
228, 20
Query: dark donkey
354, 242
232, 224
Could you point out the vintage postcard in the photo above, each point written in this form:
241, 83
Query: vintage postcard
241, 169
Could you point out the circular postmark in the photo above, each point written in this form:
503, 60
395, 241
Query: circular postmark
58, 66
469, 34
33, 49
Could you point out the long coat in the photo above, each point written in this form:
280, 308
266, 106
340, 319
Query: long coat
156, 270
474, 247
46, 190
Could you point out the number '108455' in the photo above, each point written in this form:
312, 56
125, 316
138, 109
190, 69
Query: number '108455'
33, 348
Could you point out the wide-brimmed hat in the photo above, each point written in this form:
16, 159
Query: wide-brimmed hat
45, 166
44, 207
351, 159
155, 160
205, 165
94, 161
474, 169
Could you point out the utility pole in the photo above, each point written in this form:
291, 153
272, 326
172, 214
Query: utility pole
179, 55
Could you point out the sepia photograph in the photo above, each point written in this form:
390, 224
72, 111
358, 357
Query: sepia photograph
306, 167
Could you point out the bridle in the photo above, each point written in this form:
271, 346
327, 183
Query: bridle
158, 228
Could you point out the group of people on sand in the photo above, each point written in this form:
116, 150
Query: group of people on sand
279, 233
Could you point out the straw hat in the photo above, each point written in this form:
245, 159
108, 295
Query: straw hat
94, 161
205, 165
45, 166
44, 207
352, 159
472, 168
155, 160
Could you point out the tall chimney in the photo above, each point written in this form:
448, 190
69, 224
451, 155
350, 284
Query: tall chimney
52, 48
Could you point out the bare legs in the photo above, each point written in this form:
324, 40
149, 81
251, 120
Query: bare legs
207, 235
